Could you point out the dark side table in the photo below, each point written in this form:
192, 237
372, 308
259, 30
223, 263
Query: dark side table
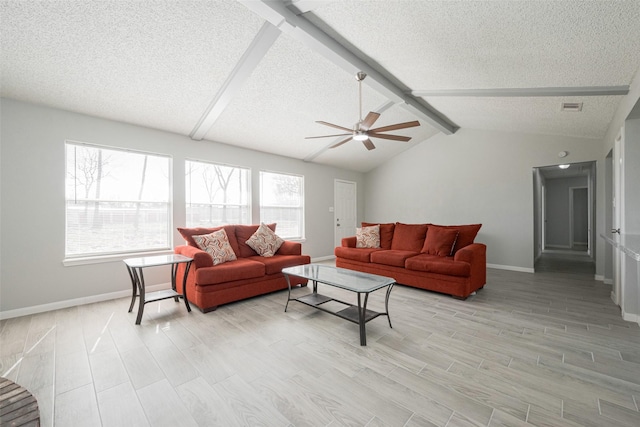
135, 267
18, 407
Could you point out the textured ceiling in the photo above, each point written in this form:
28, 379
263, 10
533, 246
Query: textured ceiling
162, 64
152, 63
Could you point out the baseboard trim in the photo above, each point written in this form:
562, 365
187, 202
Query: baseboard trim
608, 281
323, 258
511, 268
9, 314
630, 317
599, 278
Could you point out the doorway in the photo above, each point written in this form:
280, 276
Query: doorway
564, 208
578, 215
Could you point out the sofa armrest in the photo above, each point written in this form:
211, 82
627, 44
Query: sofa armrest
290, 248
471, 253
349, 242
200, 257
476, 255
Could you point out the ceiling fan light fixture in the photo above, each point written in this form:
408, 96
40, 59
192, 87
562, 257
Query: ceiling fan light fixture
360, 136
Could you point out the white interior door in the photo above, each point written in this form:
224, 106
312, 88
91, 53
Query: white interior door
345, 201
618, 218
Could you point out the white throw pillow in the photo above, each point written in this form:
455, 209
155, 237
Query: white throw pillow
264, 241
368, 237
217, 245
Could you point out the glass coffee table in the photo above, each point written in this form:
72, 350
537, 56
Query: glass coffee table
350, 280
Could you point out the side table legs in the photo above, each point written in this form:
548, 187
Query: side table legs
138, 289
142, 302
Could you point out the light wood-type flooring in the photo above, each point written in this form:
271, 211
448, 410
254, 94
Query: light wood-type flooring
544, 349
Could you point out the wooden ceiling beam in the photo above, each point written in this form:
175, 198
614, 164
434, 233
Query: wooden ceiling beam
258, 48
527, 92
298, 27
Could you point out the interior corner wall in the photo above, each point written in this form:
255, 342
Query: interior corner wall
32, 204
475, 176
632, 176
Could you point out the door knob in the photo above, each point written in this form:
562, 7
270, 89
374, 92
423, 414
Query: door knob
615, 230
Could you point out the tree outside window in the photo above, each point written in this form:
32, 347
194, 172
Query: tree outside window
117, 201
216, 194
282, 202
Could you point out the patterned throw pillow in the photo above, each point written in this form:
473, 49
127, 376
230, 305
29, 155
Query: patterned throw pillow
368, 237
217, 245
264, 241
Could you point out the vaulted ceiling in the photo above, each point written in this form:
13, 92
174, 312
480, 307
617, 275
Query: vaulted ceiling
259, 74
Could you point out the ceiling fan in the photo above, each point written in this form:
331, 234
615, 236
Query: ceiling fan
362, 130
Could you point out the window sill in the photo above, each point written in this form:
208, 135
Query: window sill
71, 262
297, 240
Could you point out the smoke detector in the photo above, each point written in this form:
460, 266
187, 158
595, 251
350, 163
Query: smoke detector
571, 106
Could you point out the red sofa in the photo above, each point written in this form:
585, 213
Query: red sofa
438, 258
209, 286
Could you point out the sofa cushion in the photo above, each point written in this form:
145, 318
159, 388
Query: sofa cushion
466, 234
386, 233
264, 241
440, 241
409, 237
392, 257
217, 245
368, 237
439, 265
243, 233
230, 271
188, 233
275, 264
355, 254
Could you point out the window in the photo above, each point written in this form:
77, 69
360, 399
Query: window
282, 202
117, 201
216, 194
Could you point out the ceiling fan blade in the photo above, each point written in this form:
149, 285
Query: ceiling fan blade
340, 143
397, 126
334, 126
385, 136
369, 120
367, 143
327, 136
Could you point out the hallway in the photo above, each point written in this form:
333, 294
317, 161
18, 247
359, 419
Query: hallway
565, 261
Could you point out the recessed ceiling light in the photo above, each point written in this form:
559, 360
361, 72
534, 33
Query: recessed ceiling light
564, 166
571, 106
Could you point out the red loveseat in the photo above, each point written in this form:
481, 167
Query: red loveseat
209, 286
438, 258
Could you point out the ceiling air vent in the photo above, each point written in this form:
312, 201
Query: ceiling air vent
571, 106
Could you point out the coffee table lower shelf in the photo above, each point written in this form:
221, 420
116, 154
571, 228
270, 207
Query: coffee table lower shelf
350, 313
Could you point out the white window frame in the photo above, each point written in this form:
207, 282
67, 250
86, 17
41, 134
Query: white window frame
280, 230
73, 257
239, 205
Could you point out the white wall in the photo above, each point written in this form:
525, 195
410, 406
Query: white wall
33, 209
475, 176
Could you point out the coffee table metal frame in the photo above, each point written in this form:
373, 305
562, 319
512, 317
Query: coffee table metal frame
350, 280
135, 266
